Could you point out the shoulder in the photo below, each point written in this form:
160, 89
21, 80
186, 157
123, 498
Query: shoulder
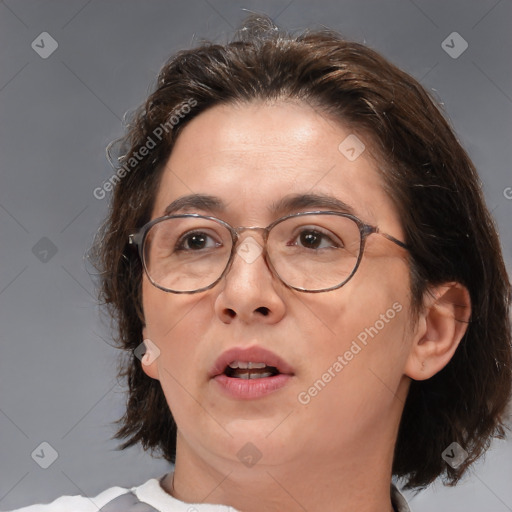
148, 497
76, 503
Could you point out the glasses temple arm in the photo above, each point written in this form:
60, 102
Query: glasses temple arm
394, 240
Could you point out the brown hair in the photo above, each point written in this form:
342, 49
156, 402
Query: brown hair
428, 175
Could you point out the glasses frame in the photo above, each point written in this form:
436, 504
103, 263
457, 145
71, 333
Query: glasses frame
138, 239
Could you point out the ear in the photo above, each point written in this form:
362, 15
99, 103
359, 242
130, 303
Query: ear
149, 359
439, 330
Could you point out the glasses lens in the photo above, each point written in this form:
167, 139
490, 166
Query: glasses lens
186, 253
315, 252
312, 252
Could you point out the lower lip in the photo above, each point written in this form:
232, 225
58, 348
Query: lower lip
247, 389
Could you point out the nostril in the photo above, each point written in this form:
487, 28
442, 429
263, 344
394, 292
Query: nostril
263, 310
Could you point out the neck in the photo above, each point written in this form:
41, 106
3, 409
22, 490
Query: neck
354, 480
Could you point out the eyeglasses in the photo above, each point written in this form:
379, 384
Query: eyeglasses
313, 252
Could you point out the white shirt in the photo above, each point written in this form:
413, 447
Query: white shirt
154, 495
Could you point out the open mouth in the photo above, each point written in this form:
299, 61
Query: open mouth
250, 373
250, 370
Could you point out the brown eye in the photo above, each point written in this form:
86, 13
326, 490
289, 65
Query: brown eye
315, 239
195, 241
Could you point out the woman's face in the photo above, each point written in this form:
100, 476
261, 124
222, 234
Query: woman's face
342, 353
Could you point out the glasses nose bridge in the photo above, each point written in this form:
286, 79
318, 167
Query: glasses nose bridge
240, 229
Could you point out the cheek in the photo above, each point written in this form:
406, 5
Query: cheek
365, 321
356, 373
166, 313
381, 308
176, 323
171, 323
154, 305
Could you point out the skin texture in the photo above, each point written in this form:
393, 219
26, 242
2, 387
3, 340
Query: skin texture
335, 452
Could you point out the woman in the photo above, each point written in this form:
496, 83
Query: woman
300, 262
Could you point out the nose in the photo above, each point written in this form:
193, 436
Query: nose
249, 291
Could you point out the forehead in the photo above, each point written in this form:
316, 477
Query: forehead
253, 155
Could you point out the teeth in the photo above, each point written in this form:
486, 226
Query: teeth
246, 365
252, 375
250, 370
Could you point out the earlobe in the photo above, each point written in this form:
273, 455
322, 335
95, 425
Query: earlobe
149, 359
439, 330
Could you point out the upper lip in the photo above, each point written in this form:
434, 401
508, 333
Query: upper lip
253, 354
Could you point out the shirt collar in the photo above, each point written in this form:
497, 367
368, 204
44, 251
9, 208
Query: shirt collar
152, 493
398, 501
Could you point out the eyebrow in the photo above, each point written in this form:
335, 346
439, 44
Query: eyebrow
286, 205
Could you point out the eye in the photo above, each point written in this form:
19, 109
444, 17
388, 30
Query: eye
313, 238
195, 241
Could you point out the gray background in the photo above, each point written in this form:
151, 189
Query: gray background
57, 368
